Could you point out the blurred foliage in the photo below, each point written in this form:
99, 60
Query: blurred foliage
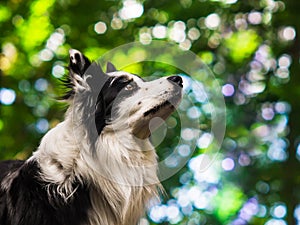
252, 47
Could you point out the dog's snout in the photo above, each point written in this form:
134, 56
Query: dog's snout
176, 79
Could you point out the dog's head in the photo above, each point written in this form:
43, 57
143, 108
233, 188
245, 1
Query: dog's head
120, 100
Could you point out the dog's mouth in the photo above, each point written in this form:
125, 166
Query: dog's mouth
163, 110
168, 105
157, 108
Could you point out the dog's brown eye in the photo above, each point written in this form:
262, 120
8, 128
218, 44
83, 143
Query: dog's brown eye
129, 87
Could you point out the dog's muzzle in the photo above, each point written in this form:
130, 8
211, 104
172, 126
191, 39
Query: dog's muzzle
163, 109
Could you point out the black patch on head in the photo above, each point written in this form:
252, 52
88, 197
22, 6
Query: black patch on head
113, 92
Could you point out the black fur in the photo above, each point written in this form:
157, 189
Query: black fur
111, 93
26, 201
78, 64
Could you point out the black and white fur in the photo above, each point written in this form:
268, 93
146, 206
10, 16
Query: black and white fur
97, 167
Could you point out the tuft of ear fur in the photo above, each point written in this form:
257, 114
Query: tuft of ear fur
78, 65
78, 62
110, 67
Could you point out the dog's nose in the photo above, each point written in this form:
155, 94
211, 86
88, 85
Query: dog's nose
176, 79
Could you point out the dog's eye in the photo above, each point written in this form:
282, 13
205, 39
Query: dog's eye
129, 87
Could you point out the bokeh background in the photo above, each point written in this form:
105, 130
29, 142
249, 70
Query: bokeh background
252, 47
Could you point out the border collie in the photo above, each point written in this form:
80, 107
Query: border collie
97, 167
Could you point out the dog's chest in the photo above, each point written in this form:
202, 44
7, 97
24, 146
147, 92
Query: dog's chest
124, 209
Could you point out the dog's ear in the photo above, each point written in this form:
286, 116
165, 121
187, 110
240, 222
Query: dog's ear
110, 67
78, 65
78, 62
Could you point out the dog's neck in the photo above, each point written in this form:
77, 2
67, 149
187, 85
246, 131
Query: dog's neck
120, 170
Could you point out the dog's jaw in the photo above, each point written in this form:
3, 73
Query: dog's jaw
141, 129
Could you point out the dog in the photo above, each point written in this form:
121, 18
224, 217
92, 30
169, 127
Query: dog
98, 166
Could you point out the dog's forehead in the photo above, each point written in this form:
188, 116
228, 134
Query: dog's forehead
123, 73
